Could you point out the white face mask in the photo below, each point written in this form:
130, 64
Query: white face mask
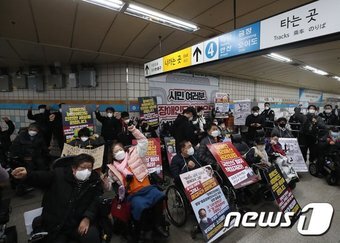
127, 121
195, 122
191, 151
328, 111
60, 110
41, 110
256, 113
84, 139
215, 133
311, 111
267, 108
32, 133
120, 155
205, 220
109, 114
83, 175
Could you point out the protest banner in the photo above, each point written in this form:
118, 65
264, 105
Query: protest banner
169, 112
242, 109
148, 110
96, 153
208, 202
222, 105
153, 157
233, 165
281, 192
76, 117
293, 153
170, 145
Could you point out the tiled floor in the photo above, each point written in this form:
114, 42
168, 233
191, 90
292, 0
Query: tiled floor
309, 189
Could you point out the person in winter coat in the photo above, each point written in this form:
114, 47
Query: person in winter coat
184, 161
56, 124
129, 170
124, 136
281, 129
183, 128
30, 147
269, 115
254, 122
70, 201
328, 117
204, 154
86, 141
43, 121
258, 154
5, 138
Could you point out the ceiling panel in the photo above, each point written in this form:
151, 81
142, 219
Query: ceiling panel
28, 51
180, 8
105, 59
147, 40
88, 34
54, 54
6, 50
217, 15
158, 4
16, 20
79, 57
54, 19
122, 33
170, 44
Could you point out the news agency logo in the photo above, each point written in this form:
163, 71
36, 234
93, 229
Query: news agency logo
319, 221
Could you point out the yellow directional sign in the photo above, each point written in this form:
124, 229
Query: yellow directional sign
177, 60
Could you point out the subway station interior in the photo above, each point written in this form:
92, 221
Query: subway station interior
169, 121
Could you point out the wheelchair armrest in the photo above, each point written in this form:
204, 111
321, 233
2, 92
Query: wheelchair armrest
38, 236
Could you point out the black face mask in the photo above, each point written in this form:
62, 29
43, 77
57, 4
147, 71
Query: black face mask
283, 125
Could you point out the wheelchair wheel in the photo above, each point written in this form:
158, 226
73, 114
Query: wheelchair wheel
176, 206
313, 169
332, 179
231, 197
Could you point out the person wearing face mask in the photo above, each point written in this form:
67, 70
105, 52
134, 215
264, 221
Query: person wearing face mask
70, 200
204, 154
130, 172
201, 119
205, 222
183, 129
124, 135
328, 117
146, 129
86, 141
296, 120
5, 138
29, 146
311, 130
281, 130
254, 122
257, 154
56, 123
269, 115
183, 162
43, 121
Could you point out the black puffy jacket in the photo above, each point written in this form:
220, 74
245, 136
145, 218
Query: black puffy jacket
110, 126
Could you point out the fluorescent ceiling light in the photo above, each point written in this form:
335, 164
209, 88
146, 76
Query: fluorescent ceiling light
315, 70
110, 4
336, 77
160, 18
279, 58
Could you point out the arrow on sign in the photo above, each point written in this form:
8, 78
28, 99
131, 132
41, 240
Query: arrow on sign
147, 69
197, 52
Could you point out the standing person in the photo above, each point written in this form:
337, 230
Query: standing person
124, 135
43, 121
254, 122
310, 131
269, 116
56, 123
110, 129
296, 120
70, 202
281, 130
336, 111
183, 129
201, 119
5, 138
328, 117
204, 154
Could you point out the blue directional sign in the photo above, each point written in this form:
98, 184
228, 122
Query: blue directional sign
240, 41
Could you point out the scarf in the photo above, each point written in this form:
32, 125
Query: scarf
262, 154
122, 167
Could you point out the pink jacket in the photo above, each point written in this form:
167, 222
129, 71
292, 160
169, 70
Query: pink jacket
136, 162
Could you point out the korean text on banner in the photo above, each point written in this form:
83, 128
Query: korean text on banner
233, 165
177, 60
96, 153
293, 153
207, 200
148, 110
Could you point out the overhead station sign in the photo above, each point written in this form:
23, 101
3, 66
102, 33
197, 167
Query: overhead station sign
309, 21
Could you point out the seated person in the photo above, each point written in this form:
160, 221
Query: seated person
86, 141
5, 139
129, 170
70, 200
147, 130
326, 144
278, 155
204, 154
281, 130
31, 148
183, 162
239, 144
258, 154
